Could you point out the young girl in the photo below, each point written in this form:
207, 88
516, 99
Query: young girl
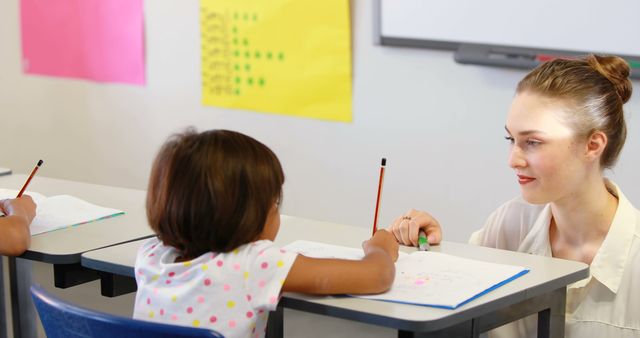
566, 126
213, 202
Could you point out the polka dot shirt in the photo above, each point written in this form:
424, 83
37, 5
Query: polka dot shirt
231, 293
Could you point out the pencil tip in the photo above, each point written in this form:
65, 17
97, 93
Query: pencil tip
384, 161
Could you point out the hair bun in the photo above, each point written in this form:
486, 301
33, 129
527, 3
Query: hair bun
616, 70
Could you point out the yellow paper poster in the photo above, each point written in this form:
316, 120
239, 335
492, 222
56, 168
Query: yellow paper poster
289, 57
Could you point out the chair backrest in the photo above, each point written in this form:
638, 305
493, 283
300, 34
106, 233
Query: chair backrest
65, 320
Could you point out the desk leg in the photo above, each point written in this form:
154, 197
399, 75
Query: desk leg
15, 304
551, 320
275, 325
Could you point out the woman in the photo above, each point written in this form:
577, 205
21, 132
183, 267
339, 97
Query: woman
566, 126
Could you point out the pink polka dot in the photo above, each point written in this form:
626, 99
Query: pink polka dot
151, 254
262, 283
232, 323
248, 298
200, 299
162, 312
219, 263
207, 282
171, 274
153, 246
249, 314
273, 300
148, 301
283, 250
236, 267
140, 272
227, 287
189, 309
261, 253
168, 281
155, 291
213, 319
260, 311
264, 265
213, 255
174, 317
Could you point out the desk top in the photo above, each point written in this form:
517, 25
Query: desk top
547, 274
64, 246
5, 171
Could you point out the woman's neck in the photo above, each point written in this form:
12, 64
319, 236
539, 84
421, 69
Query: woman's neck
581, 221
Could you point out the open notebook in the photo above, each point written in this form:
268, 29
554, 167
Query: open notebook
61, 211
425, 277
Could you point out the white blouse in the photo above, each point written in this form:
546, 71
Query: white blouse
607, 303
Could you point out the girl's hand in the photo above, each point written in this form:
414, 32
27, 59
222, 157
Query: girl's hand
382, 240
406, 227
23, 207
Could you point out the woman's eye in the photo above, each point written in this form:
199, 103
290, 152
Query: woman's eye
533, 142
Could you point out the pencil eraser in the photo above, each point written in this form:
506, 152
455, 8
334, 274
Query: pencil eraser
39, 163
384, 161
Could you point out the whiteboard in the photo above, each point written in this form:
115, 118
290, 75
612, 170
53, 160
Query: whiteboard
609, 27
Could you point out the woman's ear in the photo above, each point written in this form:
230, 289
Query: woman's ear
596, 143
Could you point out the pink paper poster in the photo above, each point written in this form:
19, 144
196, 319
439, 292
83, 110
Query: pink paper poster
99, 40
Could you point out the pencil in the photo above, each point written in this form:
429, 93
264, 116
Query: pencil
375, 216
33, 172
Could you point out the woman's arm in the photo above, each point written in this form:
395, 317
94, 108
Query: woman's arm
372, 274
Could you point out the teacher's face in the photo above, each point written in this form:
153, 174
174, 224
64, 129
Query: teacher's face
544, 152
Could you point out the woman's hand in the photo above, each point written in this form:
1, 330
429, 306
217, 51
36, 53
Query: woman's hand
406, 227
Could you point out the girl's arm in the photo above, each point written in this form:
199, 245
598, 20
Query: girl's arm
372, 274
14, 227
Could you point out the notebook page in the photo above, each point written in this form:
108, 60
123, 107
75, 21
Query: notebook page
323, 250
446, 281
63, 210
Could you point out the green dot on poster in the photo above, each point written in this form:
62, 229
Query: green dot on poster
247, 54
257, 54
245, 42
247, 67
238, 80
246, 16
261, 82
255, 17
281, 56
250, 81
234, 29
237, 91
235, 41
236, 67
269, 55
236, 16
236, 53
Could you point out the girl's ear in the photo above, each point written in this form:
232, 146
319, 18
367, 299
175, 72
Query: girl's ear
596, 143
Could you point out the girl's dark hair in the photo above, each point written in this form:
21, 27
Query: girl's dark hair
596, 87
212, 191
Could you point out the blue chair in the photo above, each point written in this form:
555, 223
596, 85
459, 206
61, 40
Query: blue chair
63, 320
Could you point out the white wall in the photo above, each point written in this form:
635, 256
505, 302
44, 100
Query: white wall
440, 124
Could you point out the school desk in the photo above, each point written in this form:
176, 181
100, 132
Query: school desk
63, 247
541, 291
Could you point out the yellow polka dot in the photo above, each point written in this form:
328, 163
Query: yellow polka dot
151, 314
196, 323
235, 251
155, 277
231, 304
174, 298
280, 264
246, 274
187, 264
205, 267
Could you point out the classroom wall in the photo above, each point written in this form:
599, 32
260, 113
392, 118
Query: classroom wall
440, 125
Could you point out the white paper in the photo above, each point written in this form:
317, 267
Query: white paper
426, 277
61, 211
